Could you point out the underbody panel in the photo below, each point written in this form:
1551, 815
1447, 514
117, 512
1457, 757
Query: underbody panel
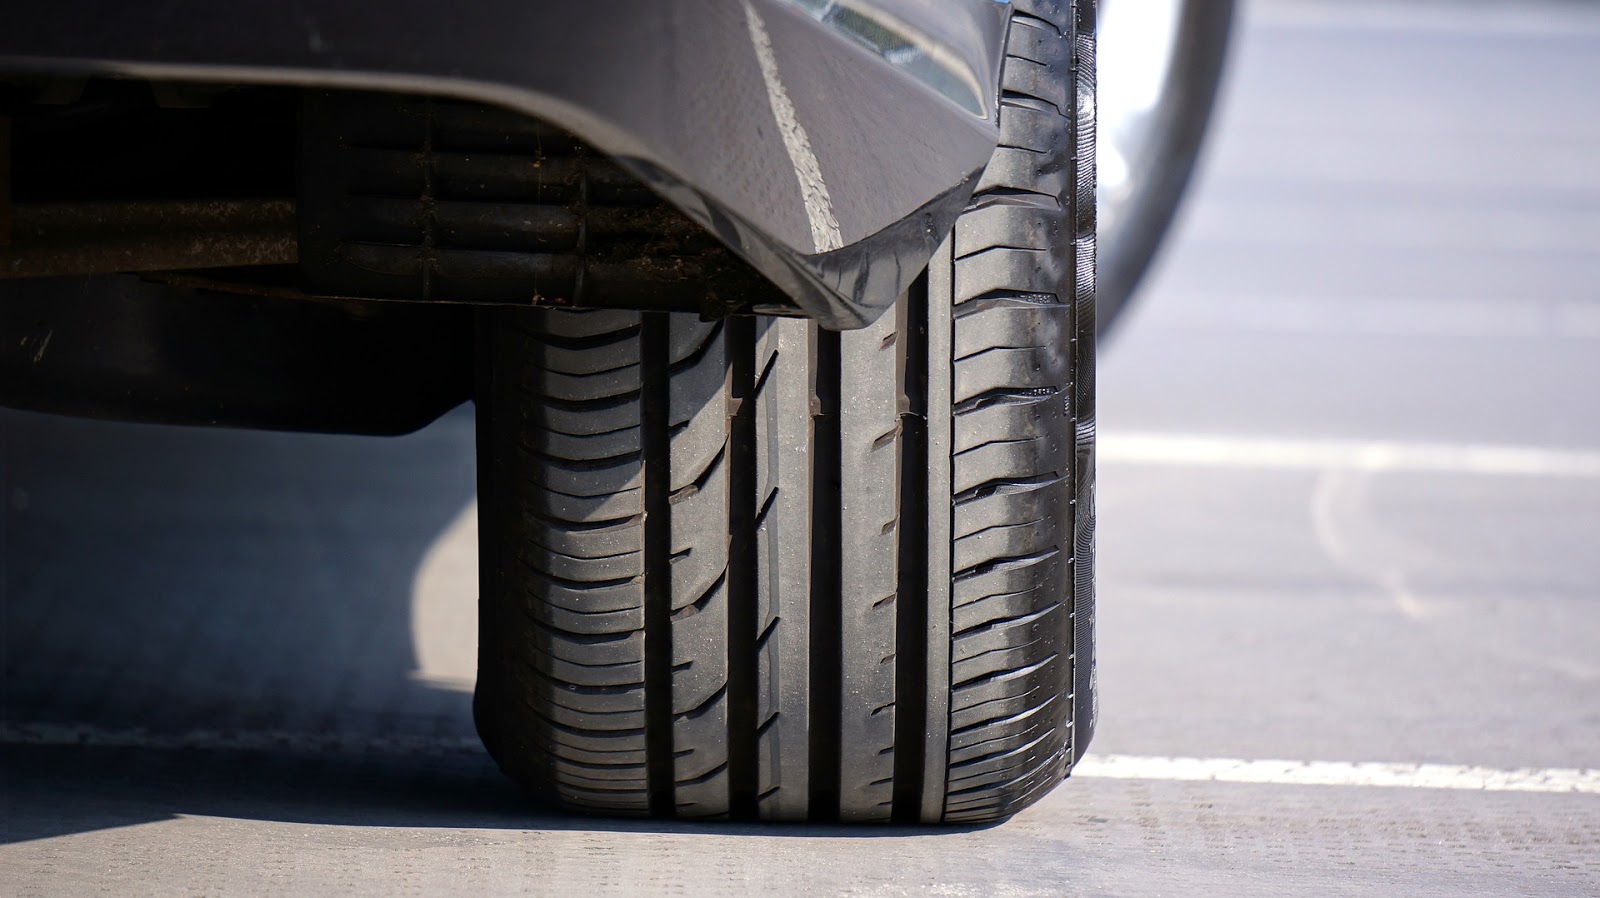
117, 348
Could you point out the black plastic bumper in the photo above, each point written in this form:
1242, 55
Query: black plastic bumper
831, 143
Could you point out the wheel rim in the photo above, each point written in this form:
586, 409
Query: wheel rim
1159, 65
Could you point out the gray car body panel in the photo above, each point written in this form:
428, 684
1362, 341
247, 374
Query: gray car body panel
831, 143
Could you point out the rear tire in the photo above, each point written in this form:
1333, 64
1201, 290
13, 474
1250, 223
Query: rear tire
753, 569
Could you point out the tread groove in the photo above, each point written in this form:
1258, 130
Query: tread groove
1004, 396
1004, 486
654, 404
743, 647
826, 587
1009, 562
911, 593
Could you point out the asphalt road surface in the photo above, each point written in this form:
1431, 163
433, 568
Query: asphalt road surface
1350, 514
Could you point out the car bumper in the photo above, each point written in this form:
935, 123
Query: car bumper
831, 143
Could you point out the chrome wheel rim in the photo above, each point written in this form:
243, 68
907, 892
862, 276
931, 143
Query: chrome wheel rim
1159, 64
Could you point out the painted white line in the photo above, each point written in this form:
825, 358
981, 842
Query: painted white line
1206, 451
825, 232
1546, 318
1127, 767
1336, 773
1526, 18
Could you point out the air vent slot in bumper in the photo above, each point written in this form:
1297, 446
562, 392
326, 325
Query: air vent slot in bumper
415, 198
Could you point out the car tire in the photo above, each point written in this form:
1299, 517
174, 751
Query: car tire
754, 569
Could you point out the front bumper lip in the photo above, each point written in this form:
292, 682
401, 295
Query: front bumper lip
830, 142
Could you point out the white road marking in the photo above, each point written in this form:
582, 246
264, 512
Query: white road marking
825, 233
1218, 770
1541, 317
1527, 18
1339, 773
1207, 451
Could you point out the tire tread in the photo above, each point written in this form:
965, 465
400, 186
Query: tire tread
759, 570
